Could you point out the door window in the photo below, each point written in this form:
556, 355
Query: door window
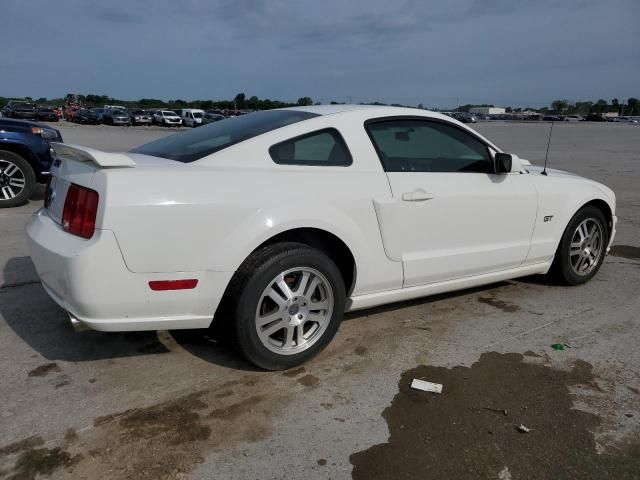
427, 146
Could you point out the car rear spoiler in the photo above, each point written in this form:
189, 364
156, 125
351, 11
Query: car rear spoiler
85, 154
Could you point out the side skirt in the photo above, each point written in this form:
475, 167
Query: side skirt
402, 294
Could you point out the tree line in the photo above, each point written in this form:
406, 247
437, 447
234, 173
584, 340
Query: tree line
241, 102
566, 107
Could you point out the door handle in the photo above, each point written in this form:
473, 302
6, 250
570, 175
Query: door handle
417, 196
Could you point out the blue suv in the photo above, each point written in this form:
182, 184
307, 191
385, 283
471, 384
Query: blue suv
25, 158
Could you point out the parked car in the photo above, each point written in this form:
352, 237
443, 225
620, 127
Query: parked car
116, 117
86, 117
69, 113
212, 117
573, 118
552, 118
192, 117
594, 117
46, 114
465, 117
167, 118
25, 158
100, 114
341, 208
140, 117
626, 119
20, 109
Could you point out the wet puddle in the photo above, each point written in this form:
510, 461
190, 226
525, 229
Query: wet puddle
471, 430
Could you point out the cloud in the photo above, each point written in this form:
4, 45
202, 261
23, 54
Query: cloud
114, 15
409, 51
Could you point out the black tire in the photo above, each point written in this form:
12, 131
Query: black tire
245, 292
27, 173
562, 268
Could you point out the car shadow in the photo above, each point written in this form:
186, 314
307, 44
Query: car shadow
38, 193
421, 301
44, 326
213, 346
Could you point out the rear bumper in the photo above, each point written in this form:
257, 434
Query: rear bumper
89, 279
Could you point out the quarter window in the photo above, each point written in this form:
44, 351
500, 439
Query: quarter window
424, 146
321, 148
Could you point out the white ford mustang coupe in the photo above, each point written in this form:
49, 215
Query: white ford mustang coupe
275, 223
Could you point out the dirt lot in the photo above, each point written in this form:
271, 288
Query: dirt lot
179, 405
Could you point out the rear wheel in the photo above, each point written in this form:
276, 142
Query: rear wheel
287, 302
17, 180
582, 247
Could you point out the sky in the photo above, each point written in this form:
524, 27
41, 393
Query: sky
438, 53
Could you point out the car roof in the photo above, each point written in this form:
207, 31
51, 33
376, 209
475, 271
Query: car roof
372, 111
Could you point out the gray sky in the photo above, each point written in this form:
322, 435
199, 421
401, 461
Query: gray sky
505, 52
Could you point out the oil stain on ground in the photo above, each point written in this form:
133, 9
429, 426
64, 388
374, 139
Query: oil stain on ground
499, 304
34, 460
44, 370
464, 434
161, 441
625, 251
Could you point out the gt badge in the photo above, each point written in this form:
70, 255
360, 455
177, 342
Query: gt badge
548, 218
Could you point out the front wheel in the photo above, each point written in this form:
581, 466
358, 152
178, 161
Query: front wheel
582, 247
17, 180
287, 301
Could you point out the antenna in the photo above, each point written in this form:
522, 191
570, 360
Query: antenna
546, 157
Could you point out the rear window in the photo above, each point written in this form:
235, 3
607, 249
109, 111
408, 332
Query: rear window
321, 148
198, 143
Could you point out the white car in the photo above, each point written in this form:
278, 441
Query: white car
167, 118
273, 224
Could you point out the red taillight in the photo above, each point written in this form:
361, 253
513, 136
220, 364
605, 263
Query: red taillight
47, 197
185, 284
80, 209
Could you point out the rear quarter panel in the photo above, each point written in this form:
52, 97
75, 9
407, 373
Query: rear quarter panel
211, 214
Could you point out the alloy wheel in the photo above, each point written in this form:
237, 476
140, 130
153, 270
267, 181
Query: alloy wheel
12, 180
586, 246
294, 310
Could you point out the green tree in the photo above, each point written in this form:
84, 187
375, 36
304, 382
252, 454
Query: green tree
559, 106
240, 101
583, 108
633, 106
600, 106
304, 101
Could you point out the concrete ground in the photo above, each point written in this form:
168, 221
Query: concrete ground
180, 405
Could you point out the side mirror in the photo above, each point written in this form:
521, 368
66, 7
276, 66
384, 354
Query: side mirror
506, 163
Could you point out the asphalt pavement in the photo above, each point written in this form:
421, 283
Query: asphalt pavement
181, 405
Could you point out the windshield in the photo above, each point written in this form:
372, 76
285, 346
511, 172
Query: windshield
117, 112
198, 143
169, 114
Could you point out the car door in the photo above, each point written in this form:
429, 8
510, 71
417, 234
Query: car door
449, 216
